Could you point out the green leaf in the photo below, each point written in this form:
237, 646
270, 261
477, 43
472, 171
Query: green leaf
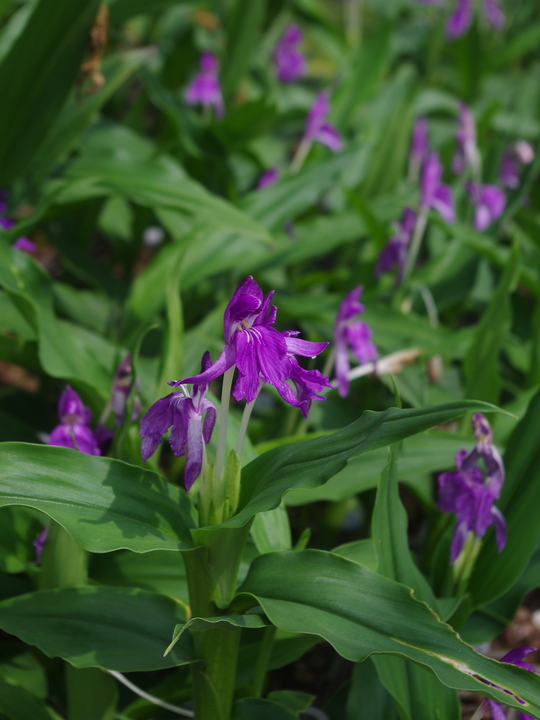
104, 504
120, 629
158, 183
520, 498
309, 464
18, 704
243, 26
271, 530
260, 709
77, 113
481, 365
360, 613
417, 692
91, 694
36, 76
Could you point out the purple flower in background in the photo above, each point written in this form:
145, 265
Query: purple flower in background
6, 223
260, 352
395, 252
289, 62
520, 153
433, 193
184, 413
205, 88
317, 129
514, 657
26, 245
494, 14
270, 177
490, 202
471, 491
73, 431
419, 146
39, 544
352, 332
120, 391
460, 20
467, 154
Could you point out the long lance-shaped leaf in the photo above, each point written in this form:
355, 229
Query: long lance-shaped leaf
418, 692
309, 464
122, 629
36, 76
105, 504
360, 612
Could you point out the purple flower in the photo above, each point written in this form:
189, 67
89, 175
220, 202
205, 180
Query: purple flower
39, 544
472, 490
261, 353
184, 413
395, 252
490, 202
289, 62
317, 129
467, 151
514, 657
205, 88
120, 391
419, 145
353, 333
520, 153
25, 245
6, 223
460, 20
73, 431
433, 193
494, 14
270, 177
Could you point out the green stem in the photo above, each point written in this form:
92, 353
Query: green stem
261, 669
64, 563
243, 427
217, 649
416, 241
301, 154
465, 563
223, 419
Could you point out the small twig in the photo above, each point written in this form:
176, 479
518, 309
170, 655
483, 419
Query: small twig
151, 698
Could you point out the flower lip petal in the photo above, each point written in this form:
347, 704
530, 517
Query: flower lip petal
304, 348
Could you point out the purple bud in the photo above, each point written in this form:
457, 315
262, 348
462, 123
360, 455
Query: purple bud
352, 333
270, 177
39, 544
395, 252
420, 143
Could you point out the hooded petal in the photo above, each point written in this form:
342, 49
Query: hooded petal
71, 408
245, 303
516, 656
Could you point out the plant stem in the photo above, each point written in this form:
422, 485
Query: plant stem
301, 154
261, 669
416, 241
243, 427
223, 420
353, 22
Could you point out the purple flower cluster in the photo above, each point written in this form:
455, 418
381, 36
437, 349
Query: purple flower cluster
73, 431
317, 129
471, 491
289, 62
204, 89
259, 352
263, 354
353, 333
184, 413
